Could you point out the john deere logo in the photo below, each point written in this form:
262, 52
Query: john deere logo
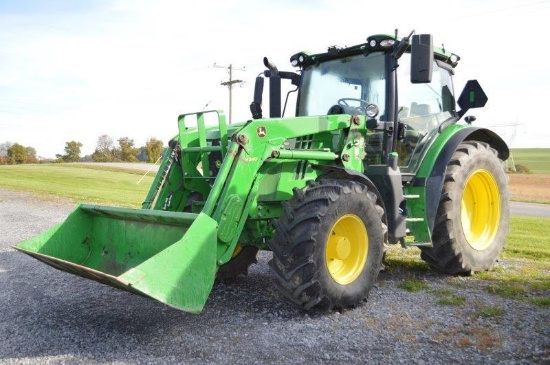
261, 131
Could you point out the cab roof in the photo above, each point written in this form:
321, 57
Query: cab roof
375, 43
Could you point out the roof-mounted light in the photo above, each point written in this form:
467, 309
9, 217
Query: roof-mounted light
453, 59
377, 41
386, 43
298, 59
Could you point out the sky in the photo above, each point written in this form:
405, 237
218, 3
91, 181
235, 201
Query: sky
75, 70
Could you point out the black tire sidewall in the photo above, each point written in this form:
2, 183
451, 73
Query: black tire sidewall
482, 159
363, 207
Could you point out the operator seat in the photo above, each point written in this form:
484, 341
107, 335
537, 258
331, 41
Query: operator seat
336, 109
418, 110
416, 120
420, 117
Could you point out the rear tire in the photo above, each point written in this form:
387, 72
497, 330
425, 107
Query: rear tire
473, 215
328, 246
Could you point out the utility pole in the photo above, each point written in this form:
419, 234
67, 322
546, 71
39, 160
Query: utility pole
229, 83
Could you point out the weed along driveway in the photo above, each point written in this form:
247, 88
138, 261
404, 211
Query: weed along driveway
413, 315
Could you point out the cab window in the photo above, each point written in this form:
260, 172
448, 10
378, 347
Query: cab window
421, 109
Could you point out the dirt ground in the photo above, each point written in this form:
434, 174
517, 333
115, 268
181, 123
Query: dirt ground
530, 187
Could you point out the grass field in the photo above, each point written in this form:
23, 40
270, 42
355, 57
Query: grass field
82, 183
522, 274
536, 159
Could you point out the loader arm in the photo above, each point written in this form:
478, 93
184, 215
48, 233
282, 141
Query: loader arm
233, 196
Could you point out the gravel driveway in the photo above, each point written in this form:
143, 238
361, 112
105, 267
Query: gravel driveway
54, 317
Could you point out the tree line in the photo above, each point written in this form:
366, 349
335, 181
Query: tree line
106, 151
14, 153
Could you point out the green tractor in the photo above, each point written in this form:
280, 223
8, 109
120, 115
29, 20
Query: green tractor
376, 154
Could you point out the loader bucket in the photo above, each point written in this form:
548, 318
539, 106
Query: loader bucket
167, 256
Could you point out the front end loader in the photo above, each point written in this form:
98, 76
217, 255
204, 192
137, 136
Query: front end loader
376, 153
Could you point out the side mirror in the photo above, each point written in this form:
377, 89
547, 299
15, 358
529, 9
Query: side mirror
471, 97
422, 58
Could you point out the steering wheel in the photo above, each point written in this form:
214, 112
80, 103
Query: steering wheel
349, 109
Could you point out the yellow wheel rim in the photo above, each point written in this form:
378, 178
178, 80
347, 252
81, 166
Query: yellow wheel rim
480, 209
347, 249
237, 251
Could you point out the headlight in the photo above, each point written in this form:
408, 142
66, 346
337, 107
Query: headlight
372, 111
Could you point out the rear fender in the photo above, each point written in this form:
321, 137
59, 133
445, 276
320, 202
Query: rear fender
431, 175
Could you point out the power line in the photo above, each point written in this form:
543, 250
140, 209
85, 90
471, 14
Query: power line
229, 83
510, 163
512, 7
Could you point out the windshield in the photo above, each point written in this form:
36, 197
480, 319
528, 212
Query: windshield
350, 83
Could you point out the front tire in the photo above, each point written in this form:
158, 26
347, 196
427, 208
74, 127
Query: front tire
238, 266
473, 214
328, 246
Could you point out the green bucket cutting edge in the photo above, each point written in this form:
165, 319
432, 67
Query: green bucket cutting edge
167, 256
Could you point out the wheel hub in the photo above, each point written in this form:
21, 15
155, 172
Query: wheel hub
480, 209
347, 249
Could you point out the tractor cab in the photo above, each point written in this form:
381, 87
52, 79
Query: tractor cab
403, 88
